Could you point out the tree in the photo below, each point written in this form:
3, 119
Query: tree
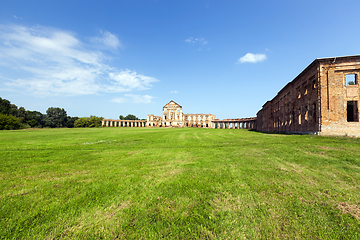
95, 121
131, 117
55, 117
92, 121
121, 117
9, 122
70, 122
35, 119
81, 122
21, 114
5, 106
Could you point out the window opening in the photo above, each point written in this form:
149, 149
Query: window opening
350, 79
313, 84
314, 112
352, 111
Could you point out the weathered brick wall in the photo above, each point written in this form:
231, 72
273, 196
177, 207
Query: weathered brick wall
335, 93
316, 101
295, 108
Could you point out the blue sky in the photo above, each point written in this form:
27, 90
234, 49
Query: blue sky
107, 58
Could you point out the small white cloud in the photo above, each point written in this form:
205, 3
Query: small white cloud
15, 16
107, 39
174, 92
133, 99
252, 58
200, 41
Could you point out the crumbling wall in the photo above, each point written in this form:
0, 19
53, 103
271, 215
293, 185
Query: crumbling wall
295, 108
321, 100
337, 117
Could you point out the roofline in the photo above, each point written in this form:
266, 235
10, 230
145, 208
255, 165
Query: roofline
317, 60
172, 101
348, 56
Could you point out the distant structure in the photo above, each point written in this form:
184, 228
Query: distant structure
322, 99
173, 116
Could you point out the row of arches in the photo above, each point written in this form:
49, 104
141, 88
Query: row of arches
221, 124
123, 123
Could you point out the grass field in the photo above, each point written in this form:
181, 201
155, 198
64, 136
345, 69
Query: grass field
187, 183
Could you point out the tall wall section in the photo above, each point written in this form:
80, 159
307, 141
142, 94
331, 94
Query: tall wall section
296, 106
340, 96
322, 99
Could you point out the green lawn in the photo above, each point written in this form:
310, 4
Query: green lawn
187, 183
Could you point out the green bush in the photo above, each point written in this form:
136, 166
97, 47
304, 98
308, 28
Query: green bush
8, 122
91, 121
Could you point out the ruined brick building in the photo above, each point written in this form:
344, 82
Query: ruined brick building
173, 116
322, 99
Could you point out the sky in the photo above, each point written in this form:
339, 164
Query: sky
111, 58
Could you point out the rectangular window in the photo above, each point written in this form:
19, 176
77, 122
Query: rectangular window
351, 79
314, 112
352, 111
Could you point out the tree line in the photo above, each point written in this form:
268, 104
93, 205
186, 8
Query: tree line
12, 117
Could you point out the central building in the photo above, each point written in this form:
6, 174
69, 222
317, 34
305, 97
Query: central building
173, 116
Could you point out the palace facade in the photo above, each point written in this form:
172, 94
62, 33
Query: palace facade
173, 116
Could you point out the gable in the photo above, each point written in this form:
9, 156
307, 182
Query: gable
172, 104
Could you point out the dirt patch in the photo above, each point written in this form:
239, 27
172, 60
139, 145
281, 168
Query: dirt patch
288, 167
351, 209
226, 202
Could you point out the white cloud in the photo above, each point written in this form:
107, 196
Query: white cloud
200, 41
48, 61
107, 39
132, 98
131, 80
252, 58
174, 92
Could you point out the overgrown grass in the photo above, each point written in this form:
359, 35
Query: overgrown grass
187, 183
